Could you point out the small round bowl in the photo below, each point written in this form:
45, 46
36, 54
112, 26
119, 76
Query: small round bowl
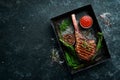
86, 21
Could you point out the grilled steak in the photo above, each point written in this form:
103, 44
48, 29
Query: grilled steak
85, 48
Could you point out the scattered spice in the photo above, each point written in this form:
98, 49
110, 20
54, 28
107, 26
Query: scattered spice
85, 45
55, 56
87, 32
106, 18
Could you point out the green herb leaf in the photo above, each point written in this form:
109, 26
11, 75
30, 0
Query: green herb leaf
64, 25
71, 60
99, 44
100, 38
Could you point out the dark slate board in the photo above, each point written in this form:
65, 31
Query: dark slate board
26, 39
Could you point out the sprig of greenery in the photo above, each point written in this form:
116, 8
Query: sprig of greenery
64, 25
70, 56
70, 47
72, 62
100, 38
99, 44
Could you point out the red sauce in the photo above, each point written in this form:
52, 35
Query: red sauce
86, 21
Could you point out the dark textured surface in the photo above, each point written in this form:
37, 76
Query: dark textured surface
25, 39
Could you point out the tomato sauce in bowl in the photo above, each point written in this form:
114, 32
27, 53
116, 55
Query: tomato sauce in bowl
86, 21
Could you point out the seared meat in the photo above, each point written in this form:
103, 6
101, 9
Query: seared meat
85, 48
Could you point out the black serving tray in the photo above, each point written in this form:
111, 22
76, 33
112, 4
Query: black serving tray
85, 10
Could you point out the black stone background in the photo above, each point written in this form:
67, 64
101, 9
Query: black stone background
26, 39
